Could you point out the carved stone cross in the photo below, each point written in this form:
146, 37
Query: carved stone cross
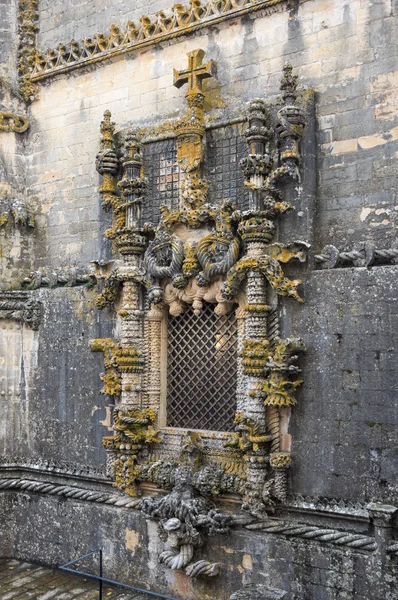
195, 73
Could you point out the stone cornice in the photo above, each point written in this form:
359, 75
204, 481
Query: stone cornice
180, 20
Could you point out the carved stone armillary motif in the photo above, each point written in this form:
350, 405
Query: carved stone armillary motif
200, 253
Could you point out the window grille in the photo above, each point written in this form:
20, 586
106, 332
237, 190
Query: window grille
201, 370
162, 173
225, 147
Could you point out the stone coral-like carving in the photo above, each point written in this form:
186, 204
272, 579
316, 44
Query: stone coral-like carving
250, 435
279, 386
185, 515
149, 30
15, 212
269, 268
28, 26
164, 258
107, 162
266, 363
216, 252
133, 430
117, 360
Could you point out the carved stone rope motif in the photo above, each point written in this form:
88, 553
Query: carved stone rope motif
200, 253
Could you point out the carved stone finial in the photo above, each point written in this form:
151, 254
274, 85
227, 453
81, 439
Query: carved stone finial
196, 72
107, 130
289, 83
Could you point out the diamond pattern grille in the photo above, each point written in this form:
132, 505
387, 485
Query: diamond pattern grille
201, 370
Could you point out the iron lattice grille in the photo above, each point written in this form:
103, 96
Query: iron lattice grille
163, 175
201, 370
225, 147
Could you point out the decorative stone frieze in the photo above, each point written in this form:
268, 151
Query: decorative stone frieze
68, 277
164, 25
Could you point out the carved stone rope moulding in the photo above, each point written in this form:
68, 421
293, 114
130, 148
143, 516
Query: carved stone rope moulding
12, 122
21, 306
201, 254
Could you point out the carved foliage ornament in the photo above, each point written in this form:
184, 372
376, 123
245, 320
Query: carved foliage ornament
200, 253
27, 53
15, 212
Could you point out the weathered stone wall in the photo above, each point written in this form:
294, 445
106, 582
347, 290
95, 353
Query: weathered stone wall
338, 49
344, 428
7, 508
307, 569
8, 37
18, 363
347, 407
49, 384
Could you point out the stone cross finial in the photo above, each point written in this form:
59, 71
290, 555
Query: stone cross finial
196, 72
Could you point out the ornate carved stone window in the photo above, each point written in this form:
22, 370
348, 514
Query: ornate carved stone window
200, 349
201, 370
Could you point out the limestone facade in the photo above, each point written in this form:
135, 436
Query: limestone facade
329, 531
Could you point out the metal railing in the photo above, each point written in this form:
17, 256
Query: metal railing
101, 580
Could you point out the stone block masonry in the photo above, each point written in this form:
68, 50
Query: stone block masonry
333, 538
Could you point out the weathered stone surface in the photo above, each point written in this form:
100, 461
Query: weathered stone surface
24, 580
344, 428
258, 592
